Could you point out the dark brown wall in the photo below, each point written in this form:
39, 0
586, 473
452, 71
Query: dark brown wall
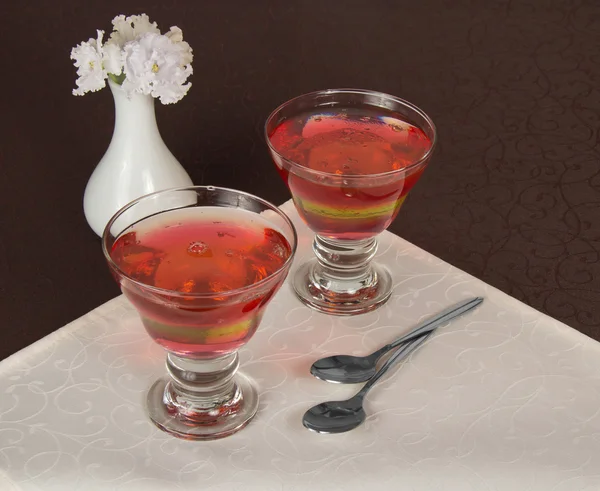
512, 195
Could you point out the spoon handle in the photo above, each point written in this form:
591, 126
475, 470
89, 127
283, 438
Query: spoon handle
399, 355
431, 324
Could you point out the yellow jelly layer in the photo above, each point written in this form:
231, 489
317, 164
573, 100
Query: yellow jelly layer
198, 335
325, 211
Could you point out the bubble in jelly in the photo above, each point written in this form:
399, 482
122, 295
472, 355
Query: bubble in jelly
199, 249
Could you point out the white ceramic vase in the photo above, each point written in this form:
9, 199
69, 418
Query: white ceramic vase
137, 161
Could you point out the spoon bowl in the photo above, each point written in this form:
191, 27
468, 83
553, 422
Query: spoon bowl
344, 369
335, 416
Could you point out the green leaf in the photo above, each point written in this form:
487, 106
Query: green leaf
118, 79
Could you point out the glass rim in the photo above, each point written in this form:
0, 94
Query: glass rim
363, 177
175, 293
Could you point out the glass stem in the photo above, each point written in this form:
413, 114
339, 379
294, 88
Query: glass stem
344, 279
345, 259
202, 390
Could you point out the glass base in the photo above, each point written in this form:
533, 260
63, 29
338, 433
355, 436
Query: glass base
339, 296
202, 400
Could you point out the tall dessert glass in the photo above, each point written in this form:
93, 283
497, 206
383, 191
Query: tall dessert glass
349, 158
200, 264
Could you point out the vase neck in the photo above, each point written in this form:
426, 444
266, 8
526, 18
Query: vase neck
134, 113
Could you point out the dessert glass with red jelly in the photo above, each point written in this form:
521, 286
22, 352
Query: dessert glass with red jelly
200, 264
349, 158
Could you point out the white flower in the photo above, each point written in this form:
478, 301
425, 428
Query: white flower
112, 59
176, 35
128, 29
89, 62
156, 65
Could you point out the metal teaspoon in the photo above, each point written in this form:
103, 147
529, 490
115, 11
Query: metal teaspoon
342, 416
347, 369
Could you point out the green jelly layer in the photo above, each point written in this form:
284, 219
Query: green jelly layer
349, 214
198, 335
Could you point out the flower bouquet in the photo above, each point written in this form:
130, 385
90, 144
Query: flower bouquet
137, 57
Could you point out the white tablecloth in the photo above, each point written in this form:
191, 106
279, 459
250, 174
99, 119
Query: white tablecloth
505, 398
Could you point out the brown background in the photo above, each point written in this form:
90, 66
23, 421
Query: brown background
512, 195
